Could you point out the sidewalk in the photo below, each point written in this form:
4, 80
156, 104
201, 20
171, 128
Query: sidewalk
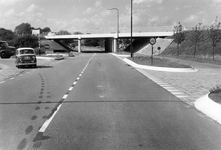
195, 84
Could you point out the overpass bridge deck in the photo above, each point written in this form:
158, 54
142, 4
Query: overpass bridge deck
110, 38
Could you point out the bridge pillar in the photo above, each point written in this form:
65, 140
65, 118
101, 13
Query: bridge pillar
79, 45
115, 46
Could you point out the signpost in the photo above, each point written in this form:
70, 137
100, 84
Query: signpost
152, 42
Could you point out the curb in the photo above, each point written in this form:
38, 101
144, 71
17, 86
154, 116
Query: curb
159, 68
209, 107
45, 58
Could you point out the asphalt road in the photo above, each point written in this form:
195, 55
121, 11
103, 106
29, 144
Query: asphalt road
97, 102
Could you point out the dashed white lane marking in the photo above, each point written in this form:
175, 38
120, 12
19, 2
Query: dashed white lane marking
48, 121
2, 82
70, 89
65, 96
165, 85
101, 96
11, 78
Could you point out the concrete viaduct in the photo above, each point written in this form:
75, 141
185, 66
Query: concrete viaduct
110, 38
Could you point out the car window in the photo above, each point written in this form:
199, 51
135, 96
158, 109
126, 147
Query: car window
26, 51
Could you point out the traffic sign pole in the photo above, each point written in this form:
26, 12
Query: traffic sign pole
152, 42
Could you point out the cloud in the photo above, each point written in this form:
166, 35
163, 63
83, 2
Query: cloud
32, 8
191, 18
9, 13
8, 2
138, 1
148, 1
89, 10
98, 3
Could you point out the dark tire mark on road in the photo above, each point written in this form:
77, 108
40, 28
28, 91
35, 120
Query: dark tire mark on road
37, 108
34, 117
37, 144
22, 144
47, 107
39, 102
29, 129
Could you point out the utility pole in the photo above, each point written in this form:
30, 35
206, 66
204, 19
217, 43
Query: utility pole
131, 31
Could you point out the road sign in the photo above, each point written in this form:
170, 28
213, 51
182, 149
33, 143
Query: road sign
152, 41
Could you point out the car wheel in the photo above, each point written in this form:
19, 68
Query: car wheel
3, 55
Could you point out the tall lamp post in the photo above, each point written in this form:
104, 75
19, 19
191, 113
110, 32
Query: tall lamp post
131, 31
117, 23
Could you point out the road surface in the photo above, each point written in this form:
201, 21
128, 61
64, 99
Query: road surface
97, 102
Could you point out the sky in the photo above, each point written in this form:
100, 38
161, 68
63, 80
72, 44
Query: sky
89, 16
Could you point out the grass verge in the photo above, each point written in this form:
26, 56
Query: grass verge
215, 94
159, 62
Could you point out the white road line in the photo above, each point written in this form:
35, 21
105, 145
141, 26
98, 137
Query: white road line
177, 93
11, 78
172, 90
65, 96
2, 82
80, 75
182, 96
47, 122
70, 89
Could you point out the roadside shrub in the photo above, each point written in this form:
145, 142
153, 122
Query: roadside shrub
216, 89
26, 41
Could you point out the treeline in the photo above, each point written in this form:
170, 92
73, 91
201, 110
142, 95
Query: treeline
201, 41
22, 37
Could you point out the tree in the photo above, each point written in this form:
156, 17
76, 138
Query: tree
179, 36
26, 41
214, 35
197, 36
91, 42
46, 29
77, 33
63, 32
6, 35
23, 29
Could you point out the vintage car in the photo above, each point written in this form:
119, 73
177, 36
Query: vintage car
6, 51
25, 57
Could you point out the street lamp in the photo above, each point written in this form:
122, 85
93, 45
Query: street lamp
117, 20
117, 23
131, 31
